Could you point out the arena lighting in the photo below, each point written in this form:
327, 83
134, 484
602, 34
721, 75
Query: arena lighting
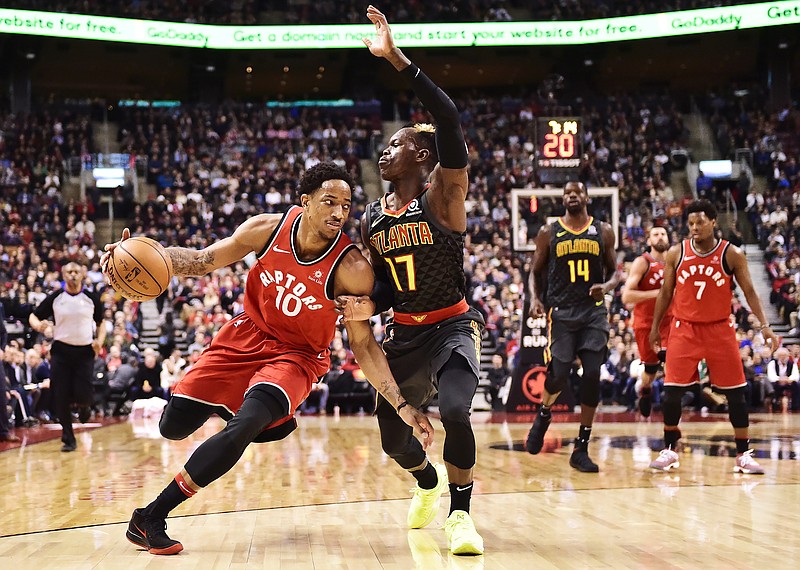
716, 168
474, 34
108, 177
313, 103
143, 103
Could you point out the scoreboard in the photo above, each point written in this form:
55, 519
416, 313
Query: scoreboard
559, 143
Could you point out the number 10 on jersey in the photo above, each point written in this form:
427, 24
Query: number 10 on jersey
578, 268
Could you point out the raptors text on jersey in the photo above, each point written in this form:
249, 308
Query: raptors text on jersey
291, 299
650, 281
702, 284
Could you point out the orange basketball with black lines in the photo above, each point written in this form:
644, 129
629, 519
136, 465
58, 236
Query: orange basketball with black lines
140, 269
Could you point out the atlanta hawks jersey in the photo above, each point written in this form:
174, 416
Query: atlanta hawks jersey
292, 300
650, 281
576, 263
702, 285
425, 262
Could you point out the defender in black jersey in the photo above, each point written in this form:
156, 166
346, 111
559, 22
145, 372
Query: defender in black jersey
574, 266
78, 334
416, 242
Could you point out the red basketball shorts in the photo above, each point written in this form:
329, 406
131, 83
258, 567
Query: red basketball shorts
689, 343
241, 356
646, 353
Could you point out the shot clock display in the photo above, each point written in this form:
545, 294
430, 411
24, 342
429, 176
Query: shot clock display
559, 143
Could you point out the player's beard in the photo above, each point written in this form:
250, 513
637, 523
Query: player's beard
660, 247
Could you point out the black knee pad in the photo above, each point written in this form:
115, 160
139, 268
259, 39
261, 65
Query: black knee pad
461, 449
278, 406
558, 377
671, 405
397, 438
737, 407
182, 417
590, 390
652, 368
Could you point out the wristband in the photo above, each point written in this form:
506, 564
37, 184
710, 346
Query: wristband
401, 406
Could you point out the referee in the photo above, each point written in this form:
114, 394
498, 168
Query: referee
76, 315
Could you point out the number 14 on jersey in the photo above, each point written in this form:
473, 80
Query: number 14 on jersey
578, 268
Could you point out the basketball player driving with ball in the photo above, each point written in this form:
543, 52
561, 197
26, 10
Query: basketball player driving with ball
262, 364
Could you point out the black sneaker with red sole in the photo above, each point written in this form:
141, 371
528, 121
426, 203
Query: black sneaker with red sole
150, 533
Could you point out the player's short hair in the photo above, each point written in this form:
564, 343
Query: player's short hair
315, 176
702, 206
425, 137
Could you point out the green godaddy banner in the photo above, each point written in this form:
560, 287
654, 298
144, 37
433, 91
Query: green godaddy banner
670, 24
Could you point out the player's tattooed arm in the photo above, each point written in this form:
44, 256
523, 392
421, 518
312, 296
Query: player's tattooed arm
248, 237
191, 262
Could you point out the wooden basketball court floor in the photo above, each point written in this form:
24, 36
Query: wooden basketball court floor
328, 498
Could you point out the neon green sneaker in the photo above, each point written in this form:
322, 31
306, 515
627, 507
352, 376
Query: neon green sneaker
425, 502
461, 534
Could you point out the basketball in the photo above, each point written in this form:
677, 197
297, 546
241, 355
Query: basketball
140, 269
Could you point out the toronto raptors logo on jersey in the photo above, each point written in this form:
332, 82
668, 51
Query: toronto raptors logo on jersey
291, 295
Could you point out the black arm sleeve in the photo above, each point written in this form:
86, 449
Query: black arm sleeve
450, 144
382, 292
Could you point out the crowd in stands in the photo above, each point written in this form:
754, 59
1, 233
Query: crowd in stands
210, 168
253, 12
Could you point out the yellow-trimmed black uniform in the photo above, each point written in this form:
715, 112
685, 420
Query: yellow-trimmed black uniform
576, 322
425, 265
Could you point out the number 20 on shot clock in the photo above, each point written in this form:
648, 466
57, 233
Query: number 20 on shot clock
559, 142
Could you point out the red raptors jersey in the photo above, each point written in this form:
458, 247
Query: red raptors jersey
292, 300
702, 285
650, 281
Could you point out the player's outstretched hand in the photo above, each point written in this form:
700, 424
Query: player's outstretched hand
769, 337
419, 421
354, 308
108, 249
597, 292
537, 309
383, 43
